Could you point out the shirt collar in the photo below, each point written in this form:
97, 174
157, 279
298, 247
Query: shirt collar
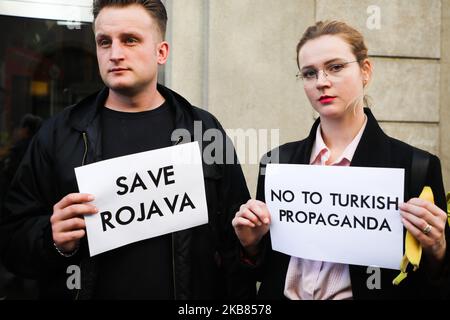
321, 153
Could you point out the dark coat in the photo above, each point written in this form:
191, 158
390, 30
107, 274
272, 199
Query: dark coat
204, 257
375, 149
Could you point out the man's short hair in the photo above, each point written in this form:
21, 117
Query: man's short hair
155, 8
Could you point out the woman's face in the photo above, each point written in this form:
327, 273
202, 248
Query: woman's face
333, 80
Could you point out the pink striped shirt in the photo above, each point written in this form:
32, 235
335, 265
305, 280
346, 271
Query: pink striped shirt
319, 280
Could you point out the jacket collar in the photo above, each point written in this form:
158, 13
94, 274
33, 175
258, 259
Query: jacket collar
83, 113
371, 151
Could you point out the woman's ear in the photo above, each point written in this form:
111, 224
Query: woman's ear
366, 70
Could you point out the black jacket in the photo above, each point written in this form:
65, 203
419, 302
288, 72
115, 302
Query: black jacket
204, 257
375, 149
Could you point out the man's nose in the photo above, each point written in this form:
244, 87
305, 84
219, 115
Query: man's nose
116, 52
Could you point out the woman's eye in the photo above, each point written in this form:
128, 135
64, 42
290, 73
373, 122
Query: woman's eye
309, 74
335, 67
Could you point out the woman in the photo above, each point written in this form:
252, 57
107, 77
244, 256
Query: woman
335, 70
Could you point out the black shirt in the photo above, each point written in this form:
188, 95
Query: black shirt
141, 270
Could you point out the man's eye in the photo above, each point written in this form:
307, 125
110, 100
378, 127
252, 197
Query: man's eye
103, 43
131, 40
335, 67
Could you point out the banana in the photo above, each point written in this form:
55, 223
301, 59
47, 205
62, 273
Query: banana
403, 274
413, 249
427, 194
448, 208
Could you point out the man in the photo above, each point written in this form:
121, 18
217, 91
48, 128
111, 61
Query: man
44, 231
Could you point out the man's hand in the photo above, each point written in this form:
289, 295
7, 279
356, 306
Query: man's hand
68, 225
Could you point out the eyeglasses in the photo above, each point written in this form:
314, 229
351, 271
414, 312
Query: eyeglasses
330, 72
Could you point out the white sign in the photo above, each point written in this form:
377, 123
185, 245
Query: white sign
337, 214
143, 195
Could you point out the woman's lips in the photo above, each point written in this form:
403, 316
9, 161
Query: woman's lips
326, 99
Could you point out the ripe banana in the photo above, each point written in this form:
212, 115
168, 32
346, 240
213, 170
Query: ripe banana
413, 249
448, 208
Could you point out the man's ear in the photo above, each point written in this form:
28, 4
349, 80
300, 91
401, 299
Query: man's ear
163, 52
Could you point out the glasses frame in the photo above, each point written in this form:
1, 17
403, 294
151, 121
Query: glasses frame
300, 75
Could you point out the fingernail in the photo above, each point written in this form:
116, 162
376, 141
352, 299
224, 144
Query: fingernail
266, 220
91, 198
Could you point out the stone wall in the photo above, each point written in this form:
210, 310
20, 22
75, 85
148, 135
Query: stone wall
236, 58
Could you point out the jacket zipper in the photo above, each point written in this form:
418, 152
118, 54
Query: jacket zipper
173, 247
85, 148
83, 163
173, 238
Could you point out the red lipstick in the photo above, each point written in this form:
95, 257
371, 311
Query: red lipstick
326, 99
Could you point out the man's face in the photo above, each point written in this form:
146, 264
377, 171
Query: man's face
128, 49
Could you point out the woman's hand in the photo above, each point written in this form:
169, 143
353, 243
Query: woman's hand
426, 222
251, 223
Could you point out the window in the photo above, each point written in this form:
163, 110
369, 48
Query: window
45, 64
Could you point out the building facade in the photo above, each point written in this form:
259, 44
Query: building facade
237, 59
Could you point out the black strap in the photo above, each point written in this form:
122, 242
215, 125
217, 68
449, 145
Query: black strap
419, 169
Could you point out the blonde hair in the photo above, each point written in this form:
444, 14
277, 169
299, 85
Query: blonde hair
352, 36
349, 34
155, 8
